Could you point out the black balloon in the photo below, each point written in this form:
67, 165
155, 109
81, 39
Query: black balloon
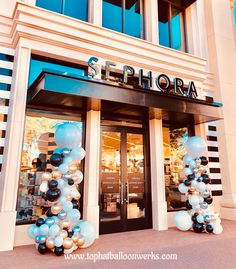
208, 199
40, 221
194, 217
205, 178
188, 205
187, 182
53, 195
56, 159
70, 234
204, 160
209, 228
198, 227
59, 250
191, 177
75, 203
42, 249
52, 184
70, 181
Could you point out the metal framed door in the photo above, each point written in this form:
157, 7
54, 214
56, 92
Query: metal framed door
125, 198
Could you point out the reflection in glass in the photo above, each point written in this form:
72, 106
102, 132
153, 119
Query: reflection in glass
74, 8
133, 18
171, 26
53, 5
37, 66
38, 147
123, 16
110, 177
135, 176
112, 15
174, 150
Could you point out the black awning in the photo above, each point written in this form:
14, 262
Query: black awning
70, 93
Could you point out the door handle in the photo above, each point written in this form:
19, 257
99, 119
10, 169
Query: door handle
122, 193
126, 199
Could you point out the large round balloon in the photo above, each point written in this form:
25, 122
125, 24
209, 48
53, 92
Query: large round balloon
77, 154
68, 135
183, 220
196, 146
88, 231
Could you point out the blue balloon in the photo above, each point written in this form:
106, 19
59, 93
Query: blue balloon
88, 231
196, 146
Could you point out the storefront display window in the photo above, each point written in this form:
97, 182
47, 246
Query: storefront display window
174, 150
73, 8
123, 16
38, 146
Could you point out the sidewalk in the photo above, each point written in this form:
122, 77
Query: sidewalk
193, 250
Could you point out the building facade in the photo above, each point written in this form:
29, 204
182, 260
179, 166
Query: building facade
139, 77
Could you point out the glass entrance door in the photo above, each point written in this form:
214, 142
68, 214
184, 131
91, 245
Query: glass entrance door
124, 185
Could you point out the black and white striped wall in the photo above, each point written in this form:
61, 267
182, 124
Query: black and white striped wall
214, 160
6, 67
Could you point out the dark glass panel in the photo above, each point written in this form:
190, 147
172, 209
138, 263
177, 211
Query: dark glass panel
112, 14
77, 9
53, 5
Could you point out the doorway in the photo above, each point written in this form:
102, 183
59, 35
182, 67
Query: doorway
125, 197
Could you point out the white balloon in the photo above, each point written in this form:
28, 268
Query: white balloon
54, 230
63, 168
194, 200
201, 199
187, 171
74, 215
200, 218
194, 183
77, 154
196, 146
79, 175
187, 159
58, 241
69, 251
62, 199
183, 188
88, 231
75, 194
43, 186
192, 164
217, 228
61, 183
183, 220
68, 135
66, 191
201, 186
67, 206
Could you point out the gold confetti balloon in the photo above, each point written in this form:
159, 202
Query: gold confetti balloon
67, 243
46, 176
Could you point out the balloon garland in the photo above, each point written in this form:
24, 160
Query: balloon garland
196, 185
61, 229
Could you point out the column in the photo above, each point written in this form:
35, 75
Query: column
92, 169
13, 147
151, 20
95, 12
159, 205
222, 59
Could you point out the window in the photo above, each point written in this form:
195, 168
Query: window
74, 8
171, 25
39, 64
38, 146
174, 150
123, 16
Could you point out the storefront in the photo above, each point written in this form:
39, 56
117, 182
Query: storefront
136, 103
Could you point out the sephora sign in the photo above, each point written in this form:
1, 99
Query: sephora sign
145, 81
